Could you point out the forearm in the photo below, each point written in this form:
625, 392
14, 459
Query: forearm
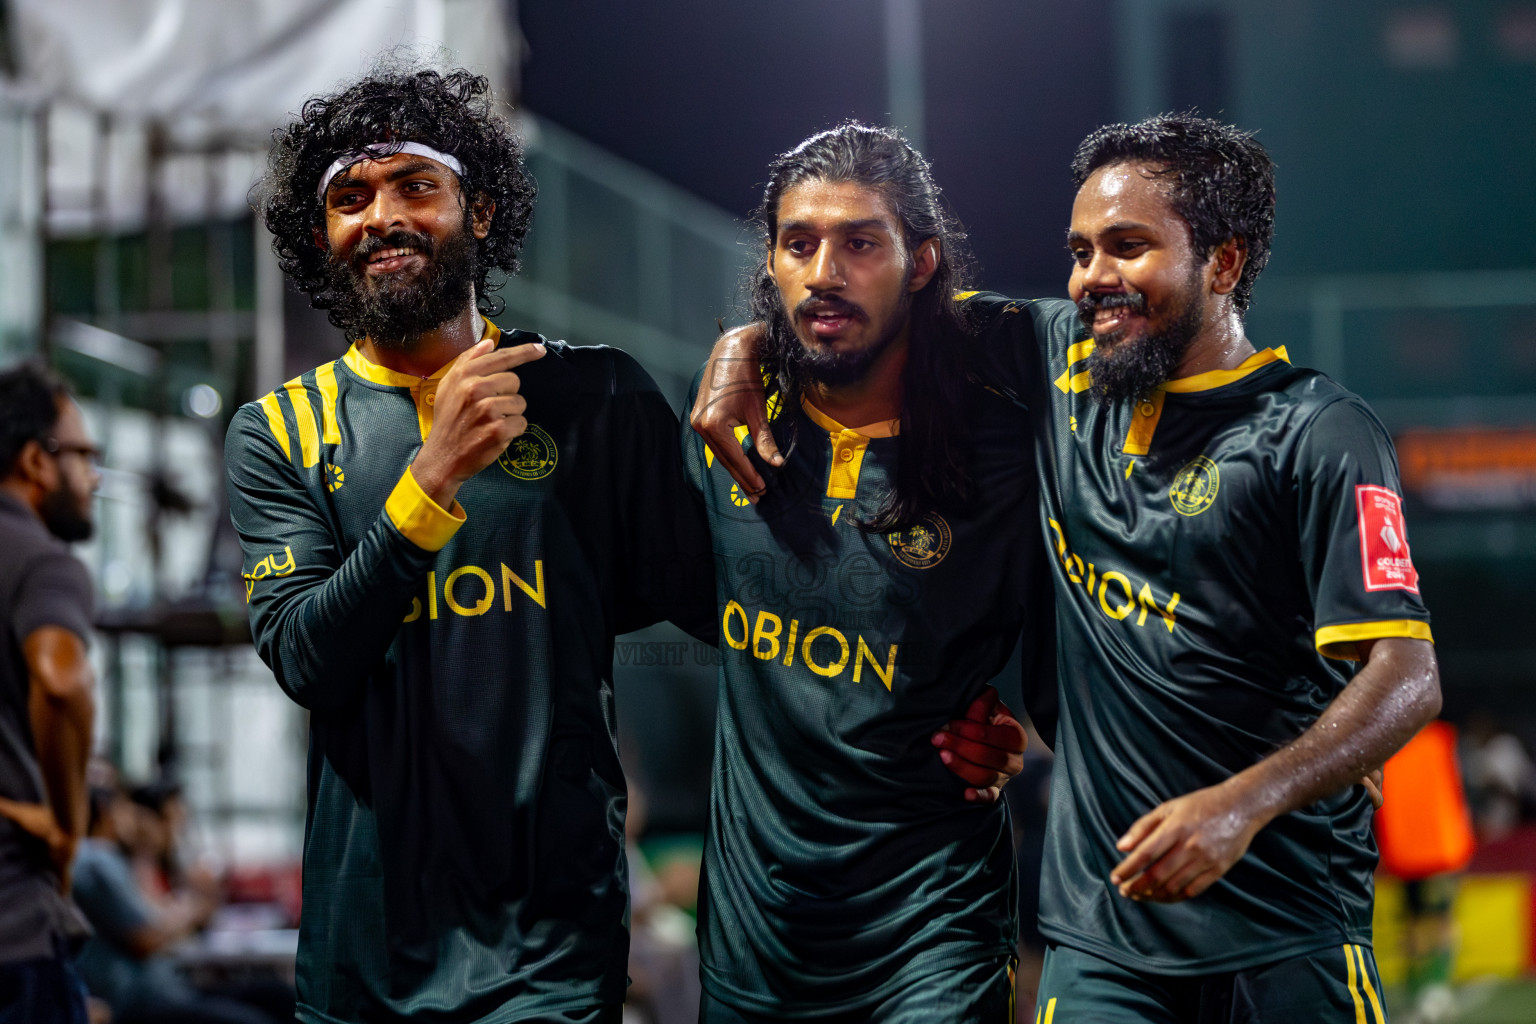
61, 728
731, 388
61, 710
322, 642
177, 920
323, 614
1390, 699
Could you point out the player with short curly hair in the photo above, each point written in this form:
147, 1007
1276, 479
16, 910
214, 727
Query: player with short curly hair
1220, 181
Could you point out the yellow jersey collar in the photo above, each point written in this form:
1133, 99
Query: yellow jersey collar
1212, 379
884, 428
376, 374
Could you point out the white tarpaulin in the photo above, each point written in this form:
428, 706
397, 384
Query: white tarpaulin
232, 69
217, 76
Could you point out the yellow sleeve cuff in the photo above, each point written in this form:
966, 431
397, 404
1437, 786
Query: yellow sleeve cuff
1338, 642
422, 520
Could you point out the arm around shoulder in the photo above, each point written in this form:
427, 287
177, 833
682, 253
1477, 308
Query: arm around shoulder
731, 394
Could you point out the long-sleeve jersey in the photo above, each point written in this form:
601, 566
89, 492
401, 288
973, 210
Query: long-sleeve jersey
464, 849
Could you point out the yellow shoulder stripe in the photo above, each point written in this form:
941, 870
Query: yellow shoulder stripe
1077, 383
325, 379
740, 430
304, 414
275, 421
1338, 642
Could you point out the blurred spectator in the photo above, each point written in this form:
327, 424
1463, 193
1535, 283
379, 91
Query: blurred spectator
663, 952
1499, 774
126, 963
47, 476
158, 864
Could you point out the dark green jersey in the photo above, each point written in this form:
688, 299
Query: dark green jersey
1220, 548
841, 860
464, 851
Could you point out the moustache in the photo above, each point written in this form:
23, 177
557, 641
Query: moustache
1090, 304
374, 244
829, 306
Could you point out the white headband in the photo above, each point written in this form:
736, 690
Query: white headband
379, 150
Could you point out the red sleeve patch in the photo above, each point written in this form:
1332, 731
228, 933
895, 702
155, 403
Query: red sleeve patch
1384, 554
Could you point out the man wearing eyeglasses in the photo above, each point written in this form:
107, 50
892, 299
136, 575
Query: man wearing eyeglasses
47, 477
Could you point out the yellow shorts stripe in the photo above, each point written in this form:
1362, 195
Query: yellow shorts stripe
1354, 990
1370, 990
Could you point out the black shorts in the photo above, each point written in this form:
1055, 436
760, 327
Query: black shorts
1337, 984
979, 994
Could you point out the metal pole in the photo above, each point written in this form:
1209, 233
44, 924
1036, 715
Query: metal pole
268, 356
108, 303
552, 242
161, 250
1328, 331
45, 199
1139, 43
904, 67
222, 340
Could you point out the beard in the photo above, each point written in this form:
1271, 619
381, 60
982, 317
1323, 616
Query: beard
822, 363
62, 513
1131, 370
395, 310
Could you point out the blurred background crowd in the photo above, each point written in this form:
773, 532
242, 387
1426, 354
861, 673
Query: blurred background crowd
131, 131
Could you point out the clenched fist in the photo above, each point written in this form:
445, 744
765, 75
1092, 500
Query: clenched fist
477, 413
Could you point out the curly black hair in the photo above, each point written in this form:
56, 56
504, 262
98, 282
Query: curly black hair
1221, 181
396, 104
933, 446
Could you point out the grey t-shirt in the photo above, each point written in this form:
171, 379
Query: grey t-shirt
41, 584
106, 892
